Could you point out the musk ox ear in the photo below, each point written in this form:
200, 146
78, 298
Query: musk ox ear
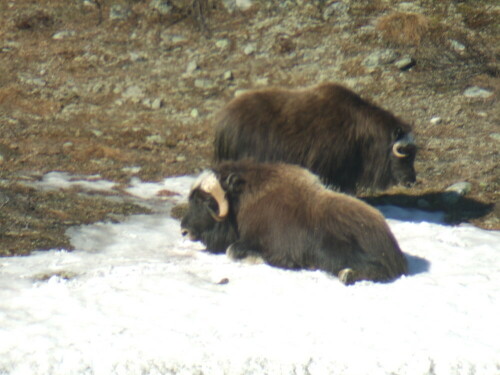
209, 183
233, 183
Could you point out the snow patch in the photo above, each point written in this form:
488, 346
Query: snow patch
135, 297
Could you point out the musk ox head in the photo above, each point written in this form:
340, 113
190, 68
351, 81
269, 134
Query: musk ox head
208, 218
402, 157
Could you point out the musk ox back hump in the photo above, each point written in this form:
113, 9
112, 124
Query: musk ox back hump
328, 129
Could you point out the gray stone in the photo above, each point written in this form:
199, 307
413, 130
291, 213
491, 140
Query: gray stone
157, 103
133, 93
495, 136
457, 46
453, 193
461, 188
249, 49
228, 75
380, 58
63, 34
223, 43
405, 63
192, 66
146, 102
435, 120
337, 10
138, 56
163, 7
477, 92
118, 12
155, 139
203, 83
234, 5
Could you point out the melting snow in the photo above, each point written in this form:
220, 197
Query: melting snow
135, 297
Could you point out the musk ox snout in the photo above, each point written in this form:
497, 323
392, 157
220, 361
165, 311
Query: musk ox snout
402, 160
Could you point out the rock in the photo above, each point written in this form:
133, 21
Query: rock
146, 102
249, 49
173, 38
381, 57
405, 63
495, 136
163, 7
457, 46
337, 10
157, 103
477, 92
435, 120
264, 81
63, 34
67, 145
194, 113
223, 43
155, 139
203, 83
234, 5
118, 12
180, 158
138, 56
131, 170
133, 93
97, 133
228, 75
453, 193
192, 66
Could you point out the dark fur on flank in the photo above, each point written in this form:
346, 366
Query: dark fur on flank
327, 129
284, 214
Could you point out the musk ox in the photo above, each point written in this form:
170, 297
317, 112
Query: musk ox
283, 214
347, 141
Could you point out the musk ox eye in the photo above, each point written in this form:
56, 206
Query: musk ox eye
398, 133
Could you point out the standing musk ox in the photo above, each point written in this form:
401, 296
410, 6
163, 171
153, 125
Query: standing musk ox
284, 215
328, 129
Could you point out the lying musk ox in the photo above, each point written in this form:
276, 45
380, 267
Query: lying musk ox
283, 214
328, 129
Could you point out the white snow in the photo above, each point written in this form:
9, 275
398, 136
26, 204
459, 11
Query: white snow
136, 298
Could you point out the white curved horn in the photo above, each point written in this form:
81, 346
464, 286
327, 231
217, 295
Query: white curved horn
405, 141
211, 185
396, 152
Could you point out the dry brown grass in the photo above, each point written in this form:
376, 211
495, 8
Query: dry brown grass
403, 28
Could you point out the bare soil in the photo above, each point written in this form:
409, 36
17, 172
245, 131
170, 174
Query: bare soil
135, 96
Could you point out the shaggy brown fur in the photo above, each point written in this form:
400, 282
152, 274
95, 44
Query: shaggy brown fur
284, 214
327, 128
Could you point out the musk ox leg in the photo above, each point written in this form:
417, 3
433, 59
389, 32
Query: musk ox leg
240, 251
347, 276
370, 272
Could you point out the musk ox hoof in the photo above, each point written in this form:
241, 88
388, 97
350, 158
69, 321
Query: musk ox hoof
347, 276
238, 252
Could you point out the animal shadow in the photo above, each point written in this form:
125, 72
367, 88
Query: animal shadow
417, 264
434, 207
